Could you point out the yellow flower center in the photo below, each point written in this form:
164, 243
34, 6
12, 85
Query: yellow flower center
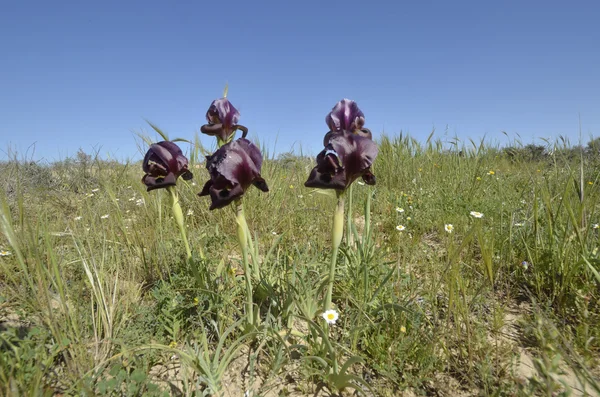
330, 316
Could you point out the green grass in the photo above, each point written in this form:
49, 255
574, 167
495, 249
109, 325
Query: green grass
102, 306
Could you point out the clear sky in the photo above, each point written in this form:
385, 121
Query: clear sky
87, 73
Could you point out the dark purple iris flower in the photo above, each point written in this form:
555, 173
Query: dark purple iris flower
233, 168
346, 157
346, 116
163, 164
222, 119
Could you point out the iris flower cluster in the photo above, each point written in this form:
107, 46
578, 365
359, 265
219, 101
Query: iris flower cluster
348, 154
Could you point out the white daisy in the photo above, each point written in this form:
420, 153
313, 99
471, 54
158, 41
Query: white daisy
401, 228
448, 227
476, 214
330, 316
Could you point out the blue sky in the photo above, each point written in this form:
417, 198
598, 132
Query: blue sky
86, 74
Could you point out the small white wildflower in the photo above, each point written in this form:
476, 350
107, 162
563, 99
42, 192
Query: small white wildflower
408, 218
274, 233
300, 196
400, 210
190, 212
104, 216
5, 253
118, 199
95, 190
595, 226
400, 228
448, 227
476, 214
132, 199
139, 202
78, 218
331, 316
519, 224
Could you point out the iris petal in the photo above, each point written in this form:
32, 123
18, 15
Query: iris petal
222, 119
233, 168
163, 164
345, 115
346, 157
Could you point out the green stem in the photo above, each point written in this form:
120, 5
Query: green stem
337, 233
349, 235
242, 230
178, 215
366, 243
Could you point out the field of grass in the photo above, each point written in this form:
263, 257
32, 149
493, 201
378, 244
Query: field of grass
97, 297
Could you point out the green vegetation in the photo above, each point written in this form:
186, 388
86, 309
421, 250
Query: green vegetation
98, 297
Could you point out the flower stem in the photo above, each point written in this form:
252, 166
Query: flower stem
178, 215
349, 235
337, 233
242, 230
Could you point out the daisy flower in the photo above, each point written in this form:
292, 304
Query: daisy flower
400, 228
330, 316
448, 227
5, 253
400, 210
104, 216
476, 214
